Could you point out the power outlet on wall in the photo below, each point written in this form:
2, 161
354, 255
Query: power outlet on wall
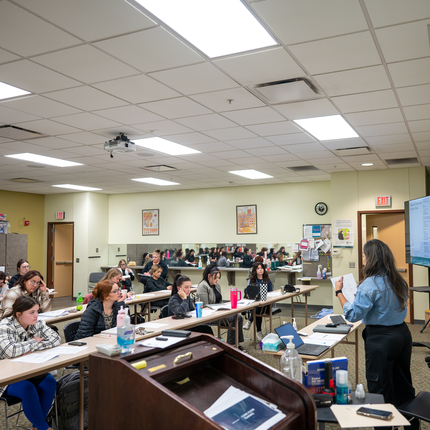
352, 265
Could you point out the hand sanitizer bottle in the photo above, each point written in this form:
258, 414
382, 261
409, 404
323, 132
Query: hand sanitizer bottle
200, 262
125, 335
291, 362
294, 324
120, 317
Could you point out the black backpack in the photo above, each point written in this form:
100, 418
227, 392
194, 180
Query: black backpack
68, 403
252, 292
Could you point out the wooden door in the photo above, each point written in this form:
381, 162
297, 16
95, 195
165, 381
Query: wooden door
61, 241
390, 228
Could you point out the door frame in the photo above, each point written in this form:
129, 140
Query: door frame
360, 250
50, 255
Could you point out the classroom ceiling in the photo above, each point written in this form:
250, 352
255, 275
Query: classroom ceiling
98, 68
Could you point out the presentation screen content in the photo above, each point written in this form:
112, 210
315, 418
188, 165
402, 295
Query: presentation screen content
417, 228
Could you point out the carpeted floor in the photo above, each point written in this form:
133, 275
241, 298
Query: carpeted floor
420, 370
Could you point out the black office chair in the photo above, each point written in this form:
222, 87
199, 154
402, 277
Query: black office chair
417, 408
164, 313
10, 401
70, 330
94, 278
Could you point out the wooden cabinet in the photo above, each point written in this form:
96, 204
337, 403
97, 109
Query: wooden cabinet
12, 248
165, 395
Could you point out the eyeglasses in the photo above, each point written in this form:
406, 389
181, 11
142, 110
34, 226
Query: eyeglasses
26, 267
35, 283
116, 292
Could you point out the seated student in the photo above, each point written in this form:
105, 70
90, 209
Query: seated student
297, 259
157, 283
3, 284
247, 259
209, 292
271, 253
102, 311
223, 261
21, 333
179, 255
127, 282
145, 258
156, 259
31, 284
213, 255
259, 276
22, 267
237, 253
281, 257
282, 251
190, 256
180, 302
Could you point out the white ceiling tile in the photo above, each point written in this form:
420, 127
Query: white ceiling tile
128, 115
231, 133
280, 158
395, 147
423, 136
213, 147
391, 139
388, 12
228, 100
206, 122
419, 94
12, 116
54, 142
381, 116
271, 129
41, 106
46, 126
382, 129
261, 67
150, 43
263, 152
231, 155
258, 115
366, 101
423, 125
256, 142
176, 108
86, 121
337, 53
89, 151
86, 98
33, 77
291, 139
354, 81
344, 143
307, 109
424, 153
40, 36
162, 128
355, 159
18, 147
90, 20
417, 112
394, 155
84, 138
308, 148
190, 138
404, 42
413, 72
92, 66
198, 78
6, 56
339, 18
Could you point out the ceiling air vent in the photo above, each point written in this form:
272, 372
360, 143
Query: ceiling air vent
25, 180
159, 168
286, 91
357, 150
303, 169
18, 133
400, 161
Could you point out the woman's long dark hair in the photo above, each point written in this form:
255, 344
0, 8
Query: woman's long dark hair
210, 269
29, 275
21, 304
253, 278
380, 262
179, 280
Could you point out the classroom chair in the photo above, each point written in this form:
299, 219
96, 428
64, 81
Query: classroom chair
10, 401
418, 407
94, 278
164, 311
70, 330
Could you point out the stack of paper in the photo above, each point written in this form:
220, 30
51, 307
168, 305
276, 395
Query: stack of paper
54, 314
349, 289
236, 409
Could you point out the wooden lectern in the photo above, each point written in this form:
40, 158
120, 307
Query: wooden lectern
182, 381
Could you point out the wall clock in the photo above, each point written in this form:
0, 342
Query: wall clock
321, 208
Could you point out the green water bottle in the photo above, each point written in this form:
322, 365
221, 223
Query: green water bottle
79, 301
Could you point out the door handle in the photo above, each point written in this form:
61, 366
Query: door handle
63, 262
402, 270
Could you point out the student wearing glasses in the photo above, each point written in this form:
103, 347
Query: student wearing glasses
22, 267
102, 310
31, 284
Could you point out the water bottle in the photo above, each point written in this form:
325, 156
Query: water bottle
125, 335
79, 301
200, 262
291, 362
341, 387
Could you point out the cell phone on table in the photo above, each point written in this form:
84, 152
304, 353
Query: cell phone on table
77, 343
375, 413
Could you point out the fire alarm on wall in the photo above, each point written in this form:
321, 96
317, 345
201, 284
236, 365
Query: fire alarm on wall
26, 222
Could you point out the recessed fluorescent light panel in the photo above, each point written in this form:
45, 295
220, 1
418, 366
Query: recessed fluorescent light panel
7, 91
217, 28
327, 127
77, 187
251, 174
155, 181
165, 146
367, 164
34, 158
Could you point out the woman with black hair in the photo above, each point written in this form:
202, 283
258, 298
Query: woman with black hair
190, 256
259, 276
247, 259
22, 267
180, 302
209, 292
21, 333
237, 253
380, 303
179, 255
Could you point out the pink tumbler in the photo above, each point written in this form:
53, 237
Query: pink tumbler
234, 297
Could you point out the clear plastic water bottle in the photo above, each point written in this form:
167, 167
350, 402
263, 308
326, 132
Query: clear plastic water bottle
126, 335
200, 262
291, 362
79, 301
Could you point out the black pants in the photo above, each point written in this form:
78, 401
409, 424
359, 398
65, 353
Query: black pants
202, 329
388, 352
259, 320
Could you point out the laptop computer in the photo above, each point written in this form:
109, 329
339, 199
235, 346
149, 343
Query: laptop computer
301, 347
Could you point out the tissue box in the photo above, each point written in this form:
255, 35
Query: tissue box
2, 217
272, 343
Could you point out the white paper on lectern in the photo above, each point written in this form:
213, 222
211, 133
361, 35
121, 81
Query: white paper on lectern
349, 289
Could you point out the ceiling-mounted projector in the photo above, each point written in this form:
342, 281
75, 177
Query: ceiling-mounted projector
121, 143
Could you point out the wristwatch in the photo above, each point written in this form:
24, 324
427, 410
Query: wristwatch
338, 292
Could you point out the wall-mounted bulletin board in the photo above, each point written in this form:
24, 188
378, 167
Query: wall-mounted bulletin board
319, 238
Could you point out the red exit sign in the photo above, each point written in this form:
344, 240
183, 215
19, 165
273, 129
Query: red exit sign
383, 201
60, 215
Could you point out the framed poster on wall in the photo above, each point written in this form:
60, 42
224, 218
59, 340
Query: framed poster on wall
246, 219
150, 222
